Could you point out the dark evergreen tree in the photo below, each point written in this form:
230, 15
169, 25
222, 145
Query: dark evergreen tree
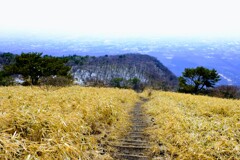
5, 79
33, 66
197, 80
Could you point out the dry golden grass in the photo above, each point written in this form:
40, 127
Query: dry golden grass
61, 123
194, 127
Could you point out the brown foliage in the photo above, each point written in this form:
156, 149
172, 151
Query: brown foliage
56, 81
226, 91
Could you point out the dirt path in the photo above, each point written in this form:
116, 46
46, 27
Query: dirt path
135, 145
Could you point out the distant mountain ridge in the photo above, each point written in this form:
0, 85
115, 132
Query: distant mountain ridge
103, 69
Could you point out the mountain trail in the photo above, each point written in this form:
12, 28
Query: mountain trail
135, 145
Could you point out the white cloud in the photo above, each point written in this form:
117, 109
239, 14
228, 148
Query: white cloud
209, 57
169, 57
224, 77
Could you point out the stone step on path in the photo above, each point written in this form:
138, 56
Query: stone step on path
135, 145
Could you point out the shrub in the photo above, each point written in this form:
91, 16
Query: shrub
117, 82
5, 80
226, 91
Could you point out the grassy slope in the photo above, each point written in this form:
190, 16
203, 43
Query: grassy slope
194, 127
61, 123
76, 122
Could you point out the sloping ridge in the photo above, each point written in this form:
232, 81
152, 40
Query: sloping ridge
144, 67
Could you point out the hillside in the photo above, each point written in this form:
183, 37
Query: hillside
104, 69
90, 123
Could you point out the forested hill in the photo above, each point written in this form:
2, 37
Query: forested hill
105, 69
121, 71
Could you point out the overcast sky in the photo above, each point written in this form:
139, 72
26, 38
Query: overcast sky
126, 17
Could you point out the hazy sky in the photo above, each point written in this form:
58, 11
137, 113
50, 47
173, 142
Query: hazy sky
124, 17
